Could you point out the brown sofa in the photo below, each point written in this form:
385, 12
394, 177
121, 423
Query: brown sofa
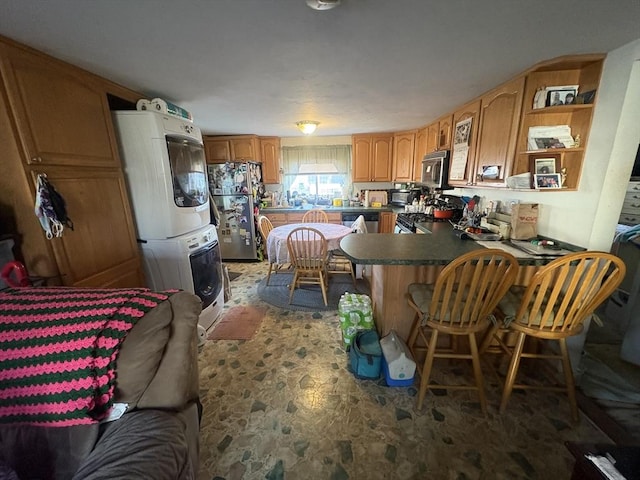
157, 437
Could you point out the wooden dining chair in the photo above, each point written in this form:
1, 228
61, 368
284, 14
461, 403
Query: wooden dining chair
460, 303
315, 215
338, 263
264, 227
553, 307
308, 256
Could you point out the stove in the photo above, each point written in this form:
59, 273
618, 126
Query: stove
406, 222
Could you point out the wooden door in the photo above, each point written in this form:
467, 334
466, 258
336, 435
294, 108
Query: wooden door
101, 250
461, 170
244, 148
270, 154
433, 131
444, 132
361, 158
420, 152
381, 157
62, 115
403, 152
387, 222
217, 151
497, 136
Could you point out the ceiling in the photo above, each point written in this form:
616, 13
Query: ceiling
258, 66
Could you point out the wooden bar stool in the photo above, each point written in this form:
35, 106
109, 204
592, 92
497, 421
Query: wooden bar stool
460, 303
554, 306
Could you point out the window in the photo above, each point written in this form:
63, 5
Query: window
316, 174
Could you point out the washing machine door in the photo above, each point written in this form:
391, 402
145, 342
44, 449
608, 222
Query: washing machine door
206, 269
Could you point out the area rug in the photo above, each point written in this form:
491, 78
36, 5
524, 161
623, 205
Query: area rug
238, 323
307, 298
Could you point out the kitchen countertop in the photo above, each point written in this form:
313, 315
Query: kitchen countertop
331, 208
438, 247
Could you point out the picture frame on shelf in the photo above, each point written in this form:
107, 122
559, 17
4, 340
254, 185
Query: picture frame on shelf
561, 97
544, 164
585, 98
547, 181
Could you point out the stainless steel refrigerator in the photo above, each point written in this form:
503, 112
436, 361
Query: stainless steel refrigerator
235, 189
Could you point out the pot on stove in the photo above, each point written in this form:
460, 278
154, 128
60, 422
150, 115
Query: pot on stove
437, 213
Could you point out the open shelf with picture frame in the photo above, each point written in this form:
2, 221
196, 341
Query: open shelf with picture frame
583, 71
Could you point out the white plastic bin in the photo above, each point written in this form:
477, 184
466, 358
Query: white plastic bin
398, 365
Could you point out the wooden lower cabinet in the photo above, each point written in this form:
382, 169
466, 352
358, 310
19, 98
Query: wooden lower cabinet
276, 219
286, 218
386, 222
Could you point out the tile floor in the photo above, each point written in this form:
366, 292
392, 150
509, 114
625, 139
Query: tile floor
284, 405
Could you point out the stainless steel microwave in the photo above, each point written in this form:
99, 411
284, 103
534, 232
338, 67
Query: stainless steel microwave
435, 170
401, 197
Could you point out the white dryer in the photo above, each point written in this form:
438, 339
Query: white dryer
189, 262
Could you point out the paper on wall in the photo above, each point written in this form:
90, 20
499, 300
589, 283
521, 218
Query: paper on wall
460, 153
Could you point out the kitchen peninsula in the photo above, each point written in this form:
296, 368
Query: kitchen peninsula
400, 260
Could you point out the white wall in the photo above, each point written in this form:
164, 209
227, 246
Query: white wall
588, 217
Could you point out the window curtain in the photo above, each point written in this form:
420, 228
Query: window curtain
338, 155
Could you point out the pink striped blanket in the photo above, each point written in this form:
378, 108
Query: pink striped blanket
58, 348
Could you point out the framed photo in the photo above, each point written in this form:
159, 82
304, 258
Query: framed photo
544, 165
547, 180
561, 97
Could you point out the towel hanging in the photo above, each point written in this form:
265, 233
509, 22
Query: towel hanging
50, 208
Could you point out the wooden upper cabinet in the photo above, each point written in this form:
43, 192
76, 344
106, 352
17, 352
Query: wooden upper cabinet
62, 113
444, 132
582, 70
461, 169
419, 152
498, 132
361, 158
229, 148
245, 147
433, 132
270, 154
217, 150
403, 152
371, 157
381, 157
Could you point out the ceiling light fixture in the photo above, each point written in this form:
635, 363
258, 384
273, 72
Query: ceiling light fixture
323, 4
307, 126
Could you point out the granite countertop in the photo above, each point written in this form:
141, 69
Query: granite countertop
437, 247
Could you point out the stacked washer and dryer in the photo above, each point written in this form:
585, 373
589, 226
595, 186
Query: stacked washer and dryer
166, 174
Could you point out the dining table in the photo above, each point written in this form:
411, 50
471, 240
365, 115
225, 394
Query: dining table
277, 240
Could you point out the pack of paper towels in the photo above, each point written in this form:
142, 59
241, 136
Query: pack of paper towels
162, 106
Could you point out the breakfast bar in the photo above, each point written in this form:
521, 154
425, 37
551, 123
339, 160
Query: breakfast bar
396, 261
